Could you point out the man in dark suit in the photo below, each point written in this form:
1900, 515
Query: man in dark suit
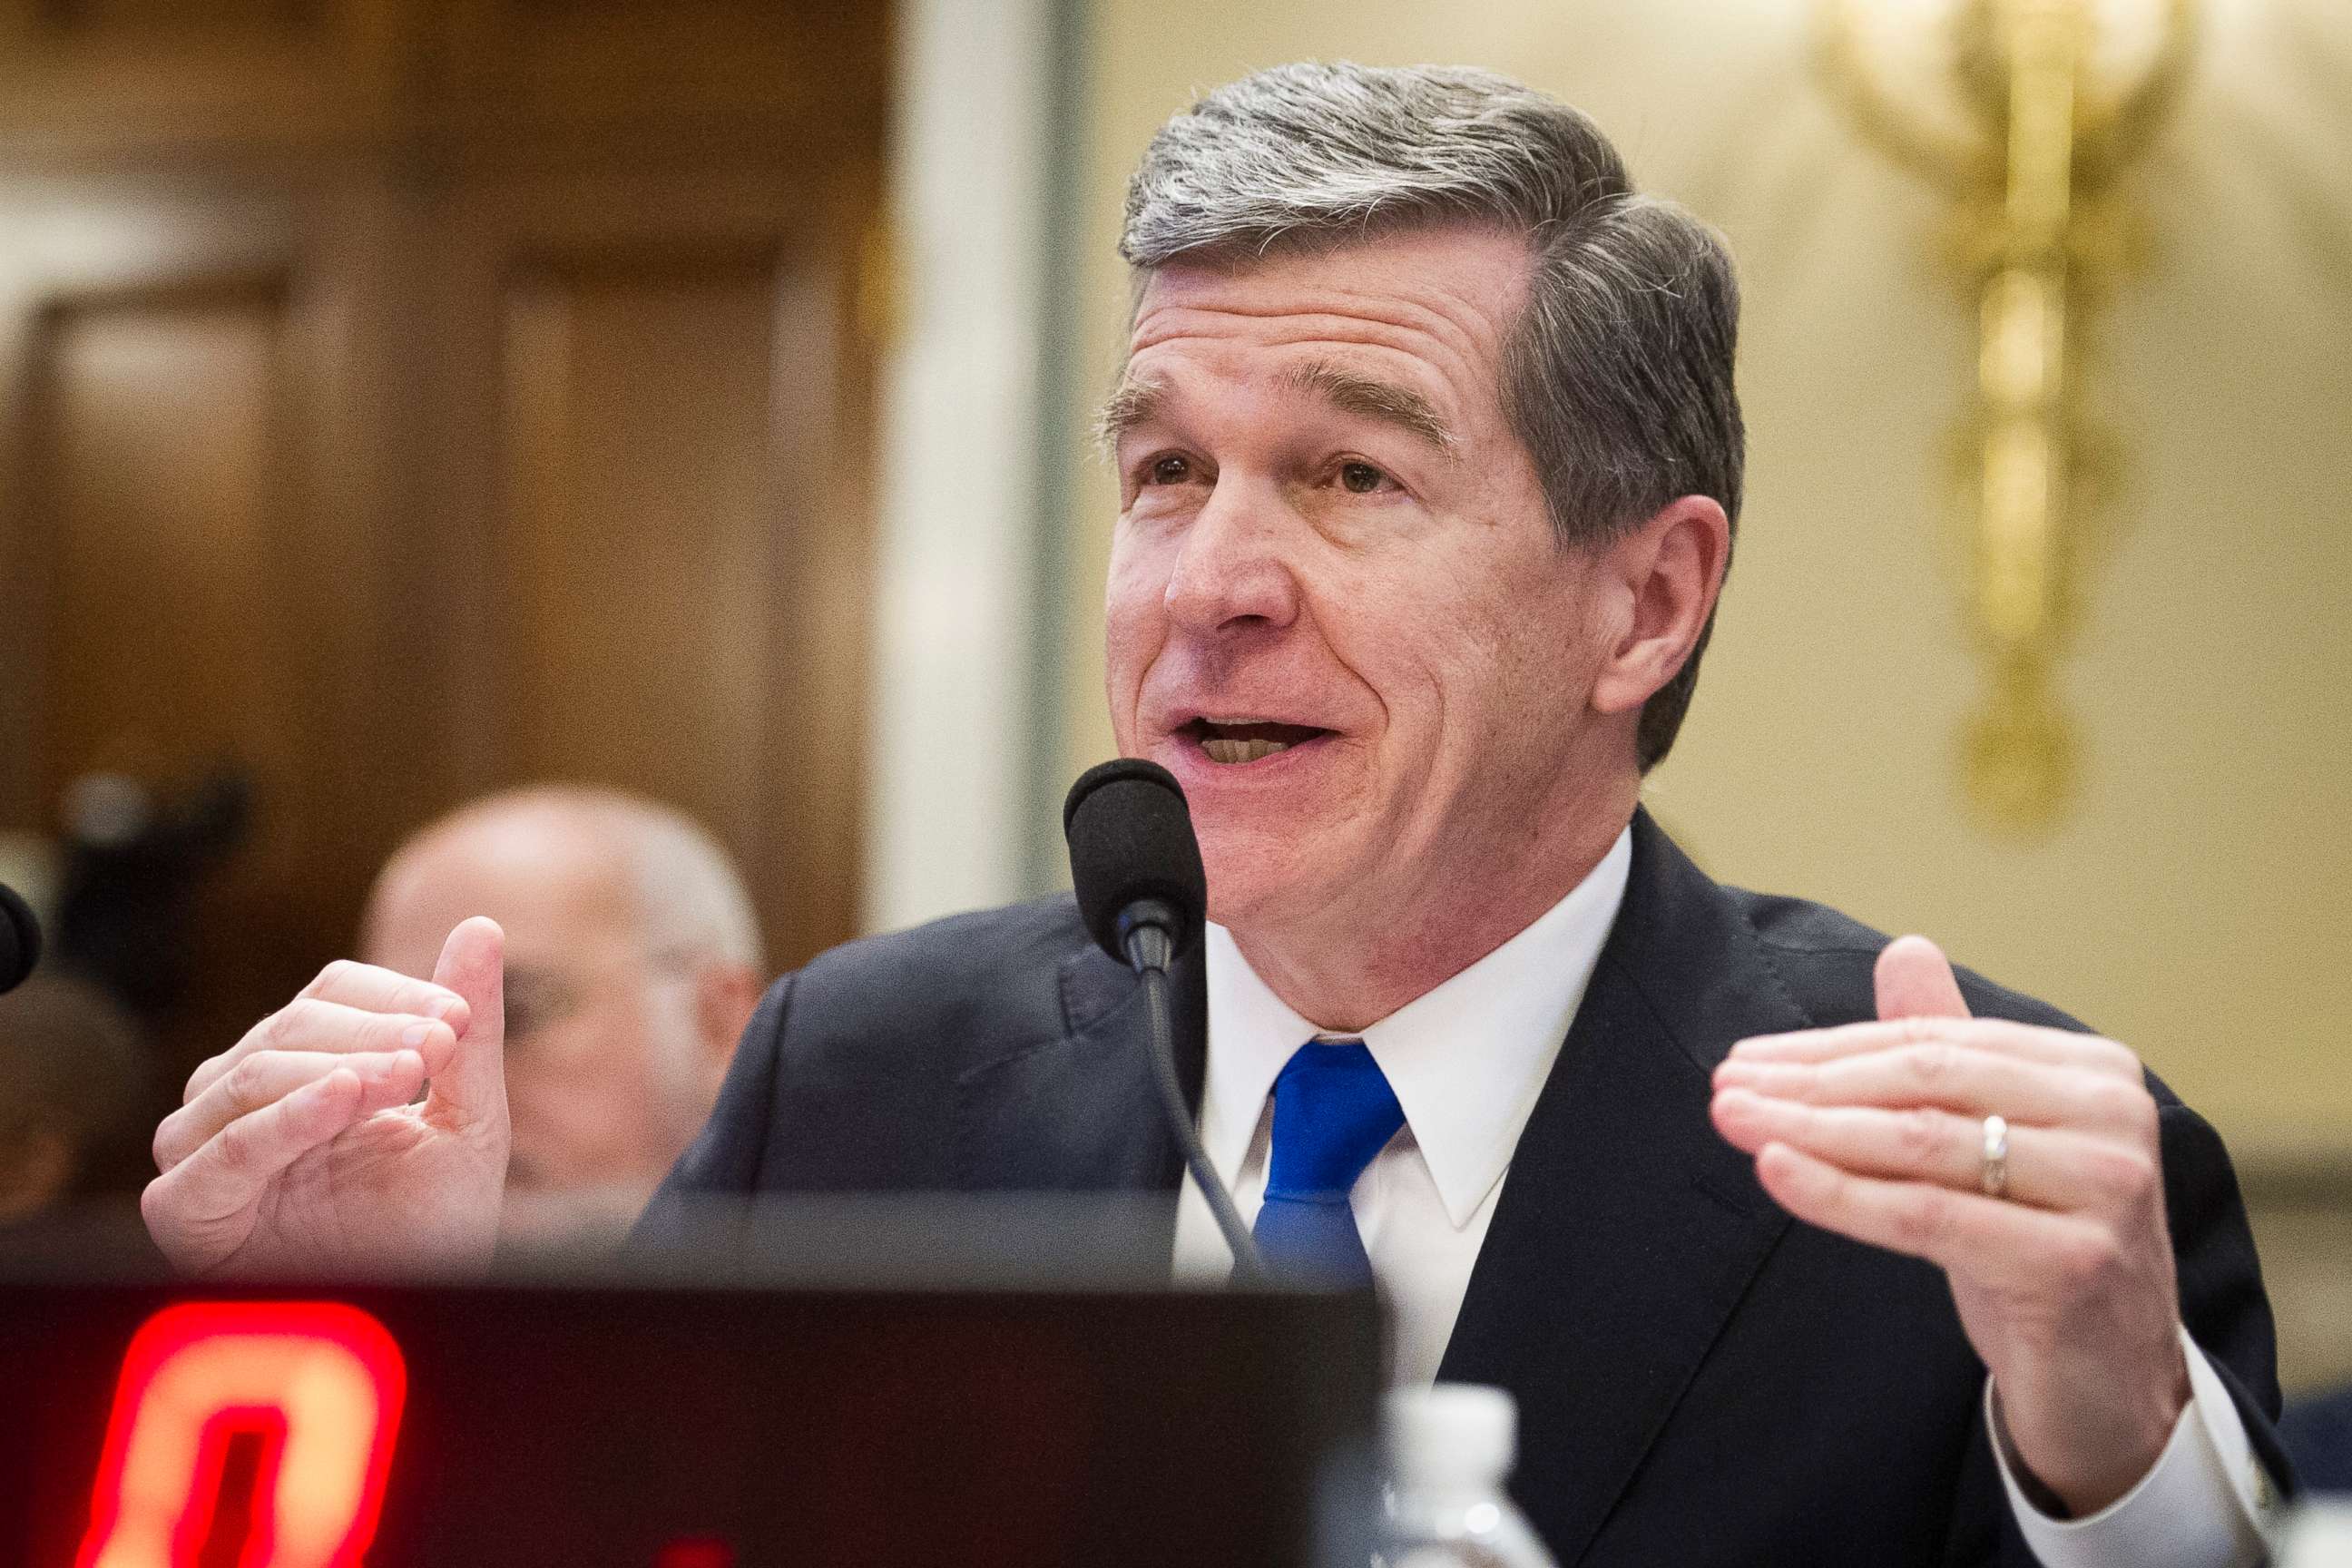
1699, 1379
1429, 456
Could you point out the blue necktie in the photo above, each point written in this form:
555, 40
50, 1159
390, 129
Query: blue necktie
1333, 1111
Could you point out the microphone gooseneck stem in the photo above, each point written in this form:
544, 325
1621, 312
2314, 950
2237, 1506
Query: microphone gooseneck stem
1142, 950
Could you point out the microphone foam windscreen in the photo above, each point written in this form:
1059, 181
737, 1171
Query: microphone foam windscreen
20, 939
1130, 838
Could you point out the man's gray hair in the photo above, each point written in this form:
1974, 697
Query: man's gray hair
1618, 376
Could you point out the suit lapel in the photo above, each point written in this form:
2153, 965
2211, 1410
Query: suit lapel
1078, 1112
1627, 1230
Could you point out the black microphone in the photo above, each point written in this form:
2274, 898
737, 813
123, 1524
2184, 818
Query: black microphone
1135, 863
20, 939
1136, 868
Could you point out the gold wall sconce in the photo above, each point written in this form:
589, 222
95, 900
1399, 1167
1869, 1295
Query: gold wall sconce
2025, 113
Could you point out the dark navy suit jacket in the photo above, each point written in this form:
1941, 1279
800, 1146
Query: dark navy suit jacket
1700, 1379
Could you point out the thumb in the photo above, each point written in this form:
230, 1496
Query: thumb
1914, 981
473, 1088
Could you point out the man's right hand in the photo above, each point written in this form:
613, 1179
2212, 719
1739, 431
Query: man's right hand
304, 1149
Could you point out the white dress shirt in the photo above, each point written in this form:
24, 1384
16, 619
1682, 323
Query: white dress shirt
1466, 1061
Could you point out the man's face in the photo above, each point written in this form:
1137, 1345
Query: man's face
1337, 609
599, 1029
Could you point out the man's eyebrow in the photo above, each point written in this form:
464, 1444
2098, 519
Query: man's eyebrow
1138, 401
1135, 403
1352, 393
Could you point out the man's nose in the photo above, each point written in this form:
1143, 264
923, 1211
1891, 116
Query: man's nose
1233, 573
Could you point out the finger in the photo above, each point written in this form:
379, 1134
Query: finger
392, 1077
374, 989
307, 1023
2028, 1042
2050, 1168
1986, 1241
472, 1088
1915, 980
1957, 1078
232, 1169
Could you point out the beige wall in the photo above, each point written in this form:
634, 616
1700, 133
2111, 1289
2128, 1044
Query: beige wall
2197, 902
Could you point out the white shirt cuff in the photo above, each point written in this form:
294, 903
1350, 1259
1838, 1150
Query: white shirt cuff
2198, 1506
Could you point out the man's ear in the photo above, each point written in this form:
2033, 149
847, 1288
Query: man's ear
725, 996
1669, 570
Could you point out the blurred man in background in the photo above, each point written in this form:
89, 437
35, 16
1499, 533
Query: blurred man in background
633, 964
78, 1108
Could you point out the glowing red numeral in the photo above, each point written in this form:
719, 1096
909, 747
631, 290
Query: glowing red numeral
324, 1380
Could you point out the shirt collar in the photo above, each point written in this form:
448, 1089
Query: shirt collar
1466, 1058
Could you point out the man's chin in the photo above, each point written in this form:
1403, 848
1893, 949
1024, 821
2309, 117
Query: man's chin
1259, 885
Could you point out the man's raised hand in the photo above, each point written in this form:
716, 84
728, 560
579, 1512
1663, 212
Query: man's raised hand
2064, 1282
304, 1148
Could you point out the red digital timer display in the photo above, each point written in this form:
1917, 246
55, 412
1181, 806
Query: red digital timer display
320, 1383
617, 1424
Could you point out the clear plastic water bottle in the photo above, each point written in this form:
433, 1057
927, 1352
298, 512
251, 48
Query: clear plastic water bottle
1449, 1448
2317, 1535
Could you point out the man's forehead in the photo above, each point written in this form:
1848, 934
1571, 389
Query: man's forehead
1429, 265
524, 869
1423, 310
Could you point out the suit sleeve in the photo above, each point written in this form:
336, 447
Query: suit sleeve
2221, 1299
725, 1158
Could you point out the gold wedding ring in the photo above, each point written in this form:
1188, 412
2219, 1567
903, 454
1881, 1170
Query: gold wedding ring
1995, 1173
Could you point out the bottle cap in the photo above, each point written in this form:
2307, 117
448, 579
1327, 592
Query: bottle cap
1454, 1434
2319, 1535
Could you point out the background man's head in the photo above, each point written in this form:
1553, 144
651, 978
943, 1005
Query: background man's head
634, 961
1429, 454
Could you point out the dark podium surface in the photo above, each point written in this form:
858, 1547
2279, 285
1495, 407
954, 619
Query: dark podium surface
666, 1414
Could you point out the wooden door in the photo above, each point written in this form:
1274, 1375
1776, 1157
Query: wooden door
400, 401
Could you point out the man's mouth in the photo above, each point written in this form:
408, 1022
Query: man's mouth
1235, 741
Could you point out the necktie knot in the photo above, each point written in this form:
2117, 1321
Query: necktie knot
1333, 1113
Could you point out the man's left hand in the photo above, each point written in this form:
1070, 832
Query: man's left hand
2064, 1280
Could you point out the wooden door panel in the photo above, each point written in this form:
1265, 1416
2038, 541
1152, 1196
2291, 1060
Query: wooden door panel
634, 529
188, 580
165, 486
159, 443
658, 444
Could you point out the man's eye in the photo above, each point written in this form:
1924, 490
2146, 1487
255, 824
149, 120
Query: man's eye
534, 1001
1169, 470
1361, 478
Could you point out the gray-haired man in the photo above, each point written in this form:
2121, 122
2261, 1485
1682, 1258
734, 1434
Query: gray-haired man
1428, 455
